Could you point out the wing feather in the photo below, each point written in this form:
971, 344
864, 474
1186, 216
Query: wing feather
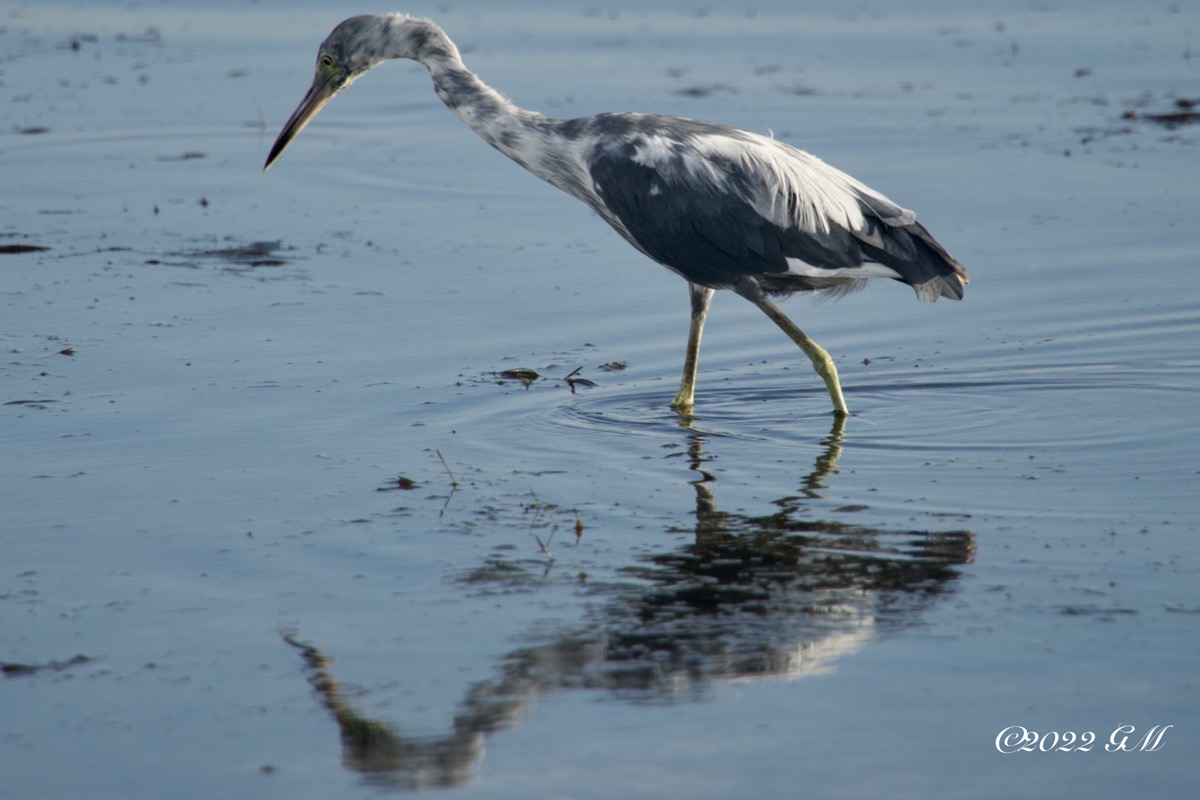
715, 204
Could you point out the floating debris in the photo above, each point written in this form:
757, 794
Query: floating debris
13, 669
252, 255
520, 374
706, 91
18, 249
453, 482
799, 90
152, 35
572, 381
1186, 113
525, 376
30, 403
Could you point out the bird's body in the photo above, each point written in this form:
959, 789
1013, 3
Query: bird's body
722, 207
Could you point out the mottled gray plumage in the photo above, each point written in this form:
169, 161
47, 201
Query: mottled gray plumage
722, 207
711, 231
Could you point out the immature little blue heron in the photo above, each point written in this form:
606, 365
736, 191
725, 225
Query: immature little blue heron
722, 207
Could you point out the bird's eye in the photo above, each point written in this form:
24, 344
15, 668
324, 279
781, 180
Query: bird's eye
325, 61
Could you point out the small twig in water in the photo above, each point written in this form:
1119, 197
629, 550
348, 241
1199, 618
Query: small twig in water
453, 483
538, 507
572, 381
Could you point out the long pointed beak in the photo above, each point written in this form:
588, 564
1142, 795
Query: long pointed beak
318, 95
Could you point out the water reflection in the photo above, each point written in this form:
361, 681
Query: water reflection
745, 597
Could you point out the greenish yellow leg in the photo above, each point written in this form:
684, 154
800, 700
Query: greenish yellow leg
685, 397
821, 360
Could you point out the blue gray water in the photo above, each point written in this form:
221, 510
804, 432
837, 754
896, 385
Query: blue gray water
275, 525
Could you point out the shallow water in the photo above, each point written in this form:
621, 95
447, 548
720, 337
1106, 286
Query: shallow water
263, 474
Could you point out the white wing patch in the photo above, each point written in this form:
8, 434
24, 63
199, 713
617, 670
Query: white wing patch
679, 164
654, 151
868, 269
795, 188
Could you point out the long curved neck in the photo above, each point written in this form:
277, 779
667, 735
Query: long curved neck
501, 123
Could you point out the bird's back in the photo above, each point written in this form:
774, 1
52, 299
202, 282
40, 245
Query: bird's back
716, 204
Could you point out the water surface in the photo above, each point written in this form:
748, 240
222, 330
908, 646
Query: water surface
275, 525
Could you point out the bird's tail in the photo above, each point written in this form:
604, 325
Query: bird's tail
923, 263
898, 241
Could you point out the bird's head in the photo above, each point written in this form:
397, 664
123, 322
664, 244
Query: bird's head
353, 47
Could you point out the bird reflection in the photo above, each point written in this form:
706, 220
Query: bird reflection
746, 596
706, 502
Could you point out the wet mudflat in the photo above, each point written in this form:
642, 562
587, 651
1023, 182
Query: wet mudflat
286, 512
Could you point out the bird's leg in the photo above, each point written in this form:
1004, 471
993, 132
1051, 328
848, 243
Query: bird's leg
821, 361
701, 297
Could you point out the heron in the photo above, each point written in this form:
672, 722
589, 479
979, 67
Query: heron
722, 207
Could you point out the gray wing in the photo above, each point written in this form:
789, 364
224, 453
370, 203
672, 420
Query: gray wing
752, 207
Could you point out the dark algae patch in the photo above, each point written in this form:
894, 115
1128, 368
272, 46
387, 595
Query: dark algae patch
12, 669
1184, 113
